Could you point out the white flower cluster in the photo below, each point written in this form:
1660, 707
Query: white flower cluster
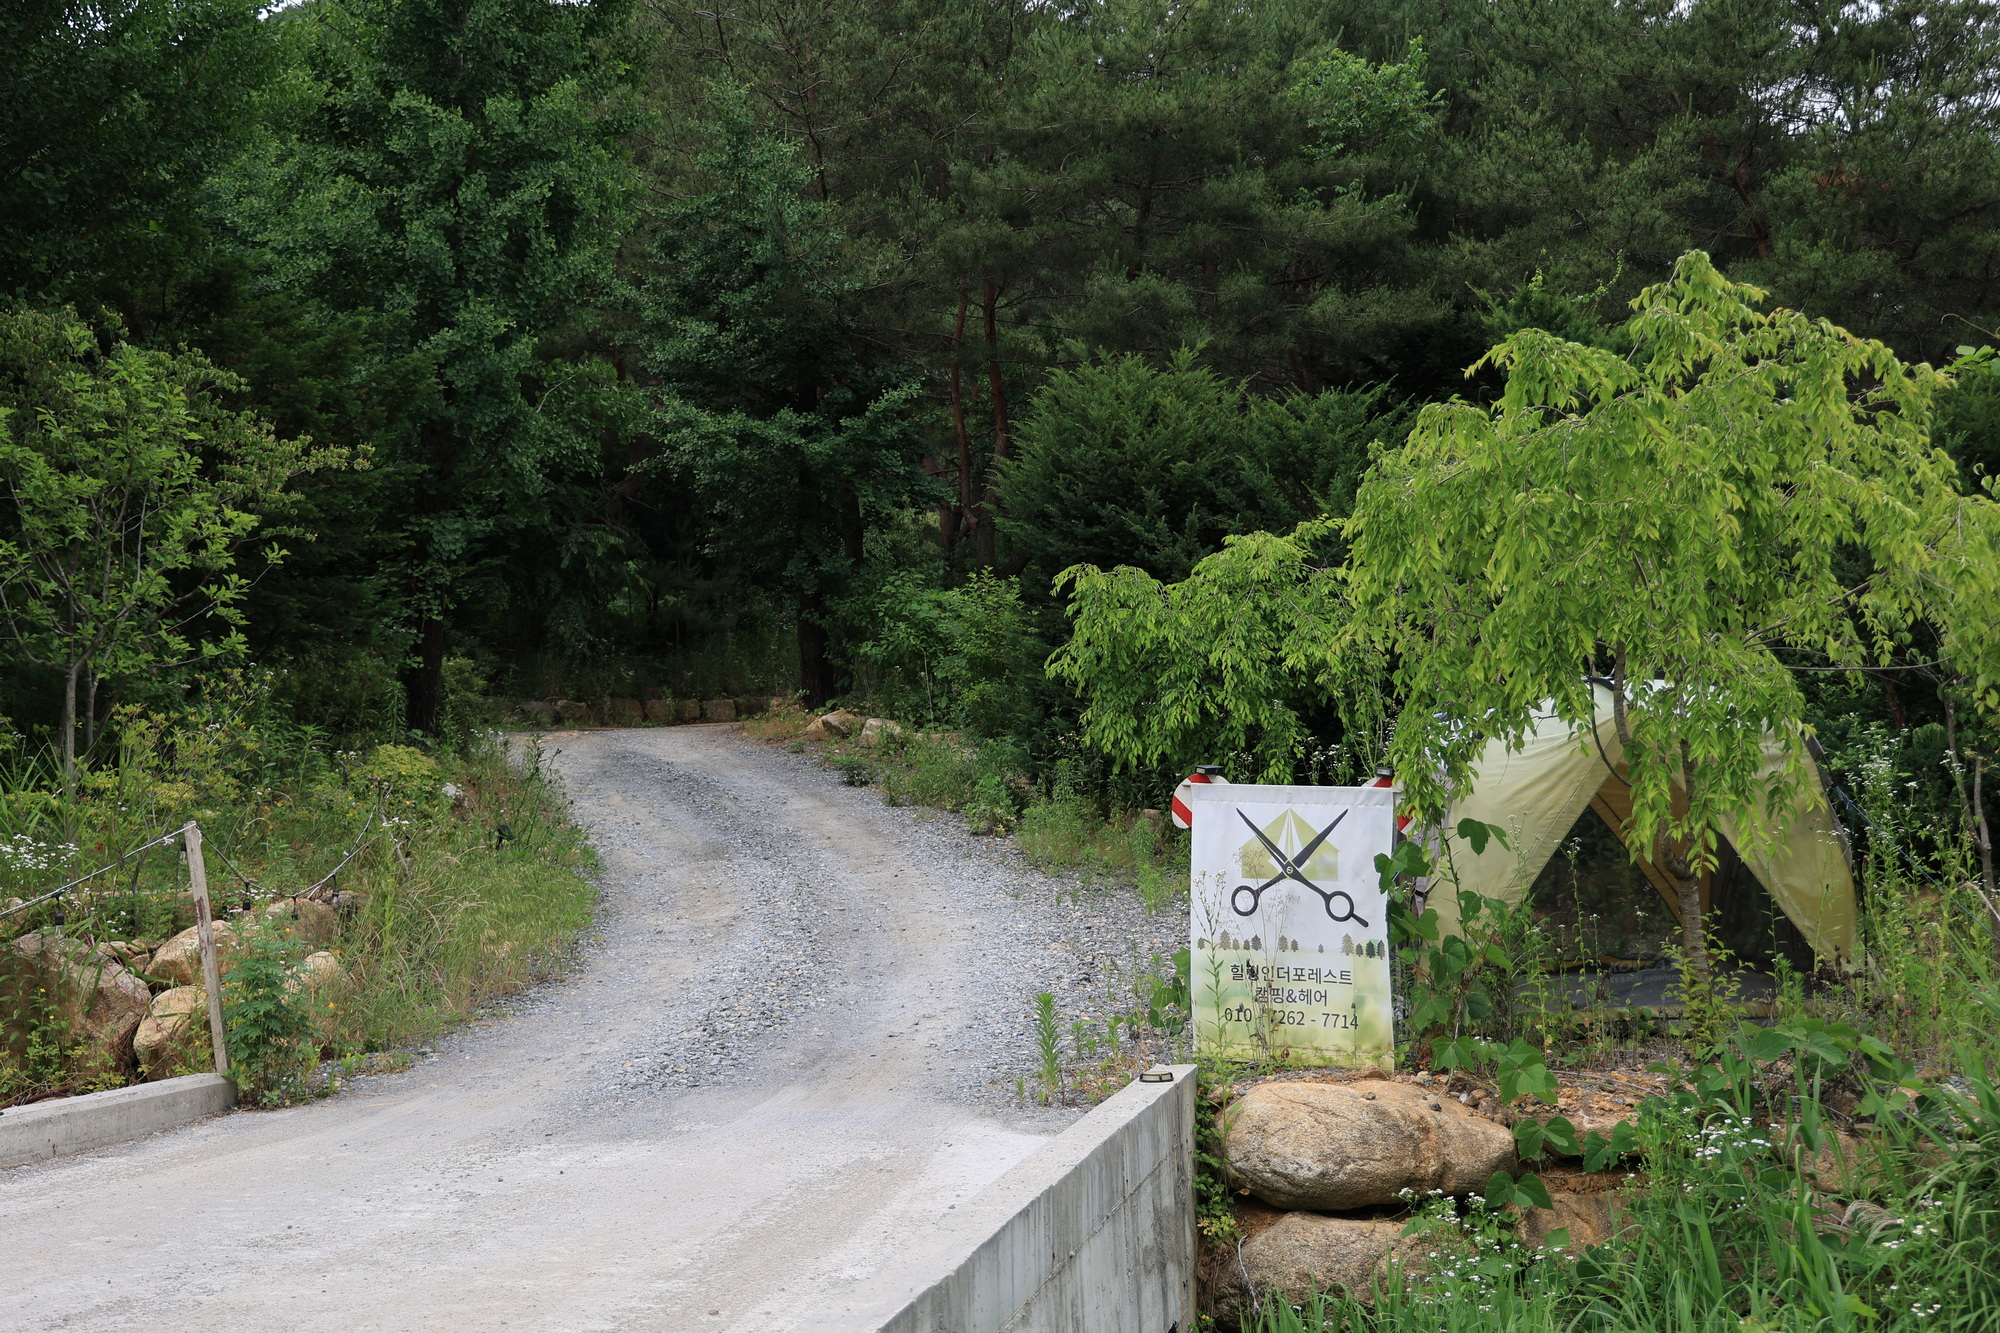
25, 853
1729, 1137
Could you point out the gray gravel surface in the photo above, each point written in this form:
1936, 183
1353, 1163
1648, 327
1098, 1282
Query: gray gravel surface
787, 1048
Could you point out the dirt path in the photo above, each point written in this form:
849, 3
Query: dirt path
755, 1085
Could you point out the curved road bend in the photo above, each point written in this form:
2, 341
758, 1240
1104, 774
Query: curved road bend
733, 1108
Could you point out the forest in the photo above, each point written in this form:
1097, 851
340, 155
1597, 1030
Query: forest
1030, 402
420, 351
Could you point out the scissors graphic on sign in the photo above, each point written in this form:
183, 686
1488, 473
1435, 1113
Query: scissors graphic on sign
1290, 868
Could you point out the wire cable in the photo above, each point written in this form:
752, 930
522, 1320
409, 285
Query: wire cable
164, 838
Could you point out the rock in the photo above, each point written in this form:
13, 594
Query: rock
348, 903
878, 729
173, 1037
1334, 1146
179, 960
661, 710
748, 707
571, 712
320, 970
835, 726
1305, 1253
688, 710
304, 919
94, 1001
124, 951
541, 712
624, 712
1590, 1219
455, 794
718, 710
780, 703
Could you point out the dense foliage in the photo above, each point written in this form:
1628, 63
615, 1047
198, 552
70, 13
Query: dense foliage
691, 350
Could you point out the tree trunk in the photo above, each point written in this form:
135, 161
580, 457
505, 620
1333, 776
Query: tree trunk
815, 668
424, 687
68, 728
1687, 892
983, 535
1670, 856
951, 518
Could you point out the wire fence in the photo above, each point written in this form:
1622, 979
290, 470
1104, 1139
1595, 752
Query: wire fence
370, 824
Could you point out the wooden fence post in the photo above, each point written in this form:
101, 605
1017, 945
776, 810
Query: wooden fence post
211, 975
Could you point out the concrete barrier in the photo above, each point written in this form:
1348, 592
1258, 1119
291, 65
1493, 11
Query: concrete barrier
1094, 1233
78, 1124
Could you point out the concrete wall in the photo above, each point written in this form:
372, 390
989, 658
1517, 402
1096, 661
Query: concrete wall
78, 1124
1092, 1234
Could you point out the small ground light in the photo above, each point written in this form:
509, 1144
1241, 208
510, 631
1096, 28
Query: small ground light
1157, 1076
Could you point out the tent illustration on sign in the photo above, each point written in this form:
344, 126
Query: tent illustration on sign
1288, 848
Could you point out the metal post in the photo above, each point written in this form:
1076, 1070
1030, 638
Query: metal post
204, 925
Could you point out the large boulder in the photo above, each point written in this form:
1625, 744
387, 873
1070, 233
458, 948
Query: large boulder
1590, 1219
687, 710
1337, 1146
541, 712
835, 726
87, 994
1304, 1253
878, 729
661, 710
178, 961
624, 712
572, 713
173, 1037
304, 919
718, 710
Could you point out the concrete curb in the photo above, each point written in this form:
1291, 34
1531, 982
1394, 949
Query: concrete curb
1094, 1231
78, 1124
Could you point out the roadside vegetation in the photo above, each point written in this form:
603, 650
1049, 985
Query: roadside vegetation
364, 899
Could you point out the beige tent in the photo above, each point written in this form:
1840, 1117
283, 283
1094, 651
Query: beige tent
1536, 793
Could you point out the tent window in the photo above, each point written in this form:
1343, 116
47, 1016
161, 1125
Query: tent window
1600, 906
1595, 902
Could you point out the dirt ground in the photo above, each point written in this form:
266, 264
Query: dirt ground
772, 1067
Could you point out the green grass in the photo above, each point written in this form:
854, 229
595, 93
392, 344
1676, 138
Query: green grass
448, 903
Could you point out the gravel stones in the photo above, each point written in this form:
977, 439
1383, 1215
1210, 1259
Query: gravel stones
1359, 1145
810, 947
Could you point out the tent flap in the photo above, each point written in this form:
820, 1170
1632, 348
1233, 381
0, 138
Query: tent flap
1535, 794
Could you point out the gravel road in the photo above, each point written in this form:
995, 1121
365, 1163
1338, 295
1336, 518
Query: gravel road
788, 1046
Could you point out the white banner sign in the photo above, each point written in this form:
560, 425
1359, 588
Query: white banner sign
1289, 928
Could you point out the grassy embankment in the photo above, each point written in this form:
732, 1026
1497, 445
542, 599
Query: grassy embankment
466, 882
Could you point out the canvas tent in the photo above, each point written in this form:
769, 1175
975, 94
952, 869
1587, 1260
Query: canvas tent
1537, 792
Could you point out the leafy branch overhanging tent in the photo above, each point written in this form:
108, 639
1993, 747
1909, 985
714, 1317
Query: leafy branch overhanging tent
1536, 792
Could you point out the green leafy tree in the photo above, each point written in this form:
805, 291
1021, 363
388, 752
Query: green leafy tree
1122, 462
1843, 156
129, 489
457, 170
117, 111
1674, 523
1236, 658
793, 437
